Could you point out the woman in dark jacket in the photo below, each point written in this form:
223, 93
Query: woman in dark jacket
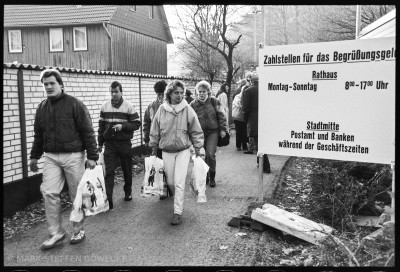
212, 120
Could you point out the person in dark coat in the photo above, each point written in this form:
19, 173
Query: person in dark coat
63, 130
159, 89
250, 111
188, 96
212, 118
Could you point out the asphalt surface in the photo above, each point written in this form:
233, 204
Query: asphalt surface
138, 233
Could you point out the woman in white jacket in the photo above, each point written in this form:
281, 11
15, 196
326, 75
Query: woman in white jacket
174, 129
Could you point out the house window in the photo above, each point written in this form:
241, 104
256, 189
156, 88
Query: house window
132, 8
56, 40
15, 41
80, 38
151, 12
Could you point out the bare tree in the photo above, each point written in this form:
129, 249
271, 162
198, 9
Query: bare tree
200, 60
303, 24
209, 24
341, 20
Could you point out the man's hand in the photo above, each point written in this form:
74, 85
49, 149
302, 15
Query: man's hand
117, 127
33, 165
222, 134
99, 149
91, 164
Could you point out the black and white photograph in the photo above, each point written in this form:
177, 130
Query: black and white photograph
184, 137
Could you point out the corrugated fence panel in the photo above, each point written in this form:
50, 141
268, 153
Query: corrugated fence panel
138, 53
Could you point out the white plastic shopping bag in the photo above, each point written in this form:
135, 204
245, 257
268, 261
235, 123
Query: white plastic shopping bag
91, 197
198, 178
102, 162
153, 182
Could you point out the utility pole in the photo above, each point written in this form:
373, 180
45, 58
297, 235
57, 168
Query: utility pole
255, 36
264, 26
358, 20
268, 15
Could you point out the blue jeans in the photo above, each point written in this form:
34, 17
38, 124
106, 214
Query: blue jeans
58, 168
210, 146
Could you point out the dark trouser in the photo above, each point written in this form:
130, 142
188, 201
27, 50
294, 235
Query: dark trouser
113, 151
210, 146
266, 165
241, 134
159, 153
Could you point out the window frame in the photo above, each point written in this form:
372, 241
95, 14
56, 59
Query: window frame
62, 40
74, 38
10, 50
151, 12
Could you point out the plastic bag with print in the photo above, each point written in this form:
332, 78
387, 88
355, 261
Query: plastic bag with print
153, 182
91, 197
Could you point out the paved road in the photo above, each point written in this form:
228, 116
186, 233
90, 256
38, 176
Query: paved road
139, 233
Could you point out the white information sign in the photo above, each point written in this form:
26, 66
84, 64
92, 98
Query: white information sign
333, 100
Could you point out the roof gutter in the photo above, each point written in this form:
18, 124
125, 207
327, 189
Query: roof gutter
111, 46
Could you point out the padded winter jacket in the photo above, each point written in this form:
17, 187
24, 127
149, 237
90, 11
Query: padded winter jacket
148, 117
63, 125
250, 109
211, 114
123, 113
174, 130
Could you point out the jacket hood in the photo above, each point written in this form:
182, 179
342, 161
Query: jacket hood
179, 107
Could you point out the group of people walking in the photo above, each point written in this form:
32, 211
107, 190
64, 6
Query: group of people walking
63, 131
245, 117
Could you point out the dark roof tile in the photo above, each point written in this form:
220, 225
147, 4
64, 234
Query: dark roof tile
34, 15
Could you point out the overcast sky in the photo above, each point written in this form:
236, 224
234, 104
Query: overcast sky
173, 67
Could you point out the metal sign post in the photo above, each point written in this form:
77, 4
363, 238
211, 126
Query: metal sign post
392, 215
260, 176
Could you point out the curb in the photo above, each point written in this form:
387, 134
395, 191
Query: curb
276, 182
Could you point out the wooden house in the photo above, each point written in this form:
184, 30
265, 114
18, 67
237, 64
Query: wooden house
94, 37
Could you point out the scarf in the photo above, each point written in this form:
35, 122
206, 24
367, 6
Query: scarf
117, 104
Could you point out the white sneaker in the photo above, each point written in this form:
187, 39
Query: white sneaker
77, 237
52, 241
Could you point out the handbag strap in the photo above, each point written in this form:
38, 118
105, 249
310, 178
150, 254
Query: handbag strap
215, 108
